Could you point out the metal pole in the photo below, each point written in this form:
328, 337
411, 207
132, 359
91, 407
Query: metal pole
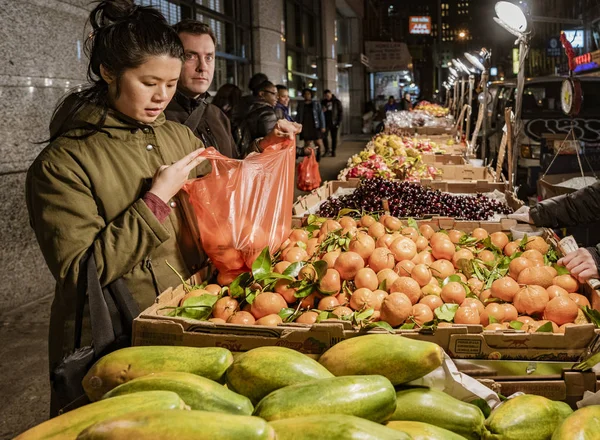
463, 84
485, 76
518, 106
439, 44
471, 87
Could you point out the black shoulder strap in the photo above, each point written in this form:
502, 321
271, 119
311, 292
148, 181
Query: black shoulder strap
112, 310
196, 116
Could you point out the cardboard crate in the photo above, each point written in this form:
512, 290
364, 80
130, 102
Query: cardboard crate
306, 204
153, 327
465, 172
443, 159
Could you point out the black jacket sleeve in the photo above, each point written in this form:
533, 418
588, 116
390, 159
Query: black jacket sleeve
340, 112
573, 209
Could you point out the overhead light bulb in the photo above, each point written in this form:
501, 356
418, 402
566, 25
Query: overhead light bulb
511, 17
475, 61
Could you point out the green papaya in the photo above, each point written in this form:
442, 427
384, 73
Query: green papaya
334, 427
424, 431
180, 425
439, 409
260, 371
399, 359
526, 417
68, 425
583, 424
128, 363
369, 397
198, 392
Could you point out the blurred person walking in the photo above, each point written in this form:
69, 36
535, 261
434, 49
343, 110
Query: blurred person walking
334, 112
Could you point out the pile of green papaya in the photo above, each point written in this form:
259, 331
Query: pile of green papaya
356, 390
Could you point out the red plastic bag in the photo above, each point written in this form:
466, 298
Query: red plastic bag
309, 177
243, 206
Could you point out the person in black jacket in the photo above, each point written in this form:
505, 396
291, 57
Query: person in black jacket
332, 107
261, 117
227, 97
580, 207
190, 107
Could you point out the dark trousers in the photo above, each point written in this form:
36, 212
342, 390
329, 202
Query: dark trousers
334, 138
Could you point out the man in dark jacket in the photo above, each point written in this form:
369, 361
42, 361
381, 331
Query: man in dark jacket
332, 107
189, 105
239, 112
580, 207
260, 118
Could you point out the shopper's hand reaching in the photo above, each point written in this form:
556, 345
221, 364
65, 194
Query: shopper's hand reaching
283, 130
168, 180
581, 264
522, 215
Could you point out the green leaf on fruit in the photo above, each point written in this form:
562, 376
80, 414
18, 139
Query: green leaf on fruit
304, 291
383, 285
408, 326
261, 267
550, 257
236, 288
452, 278
493, 320
446, 312
483, 406
285, 314
412, 223
546, 328
320, 268
524, 242
364, 315
487, 242
592, 314
561, 270
301, 245
516, 325
347, 211
380, 324
250, 295
198, 307
294, 269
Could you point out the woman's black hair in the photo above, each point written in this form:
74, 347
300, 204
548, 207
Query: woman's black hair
228, 96
308, 90
123, 36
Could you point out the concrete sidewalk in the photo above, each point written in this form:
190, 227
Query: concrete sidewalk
330, 167
24, 334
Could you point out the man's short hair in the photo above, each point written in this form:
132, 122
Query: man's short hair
326, 91
308, 90
195, 27
280, 87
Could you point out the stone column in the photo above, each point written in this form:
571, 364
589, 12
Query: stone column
268, 42
42, 52
329, 60
357, 76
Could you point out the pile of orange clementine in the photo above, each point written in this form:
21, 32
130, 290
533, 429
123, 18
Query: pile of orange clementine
406, 274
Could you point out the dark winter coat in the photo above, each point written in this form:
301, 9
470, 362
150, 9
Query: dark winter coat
214, 129
578, 208
337, 111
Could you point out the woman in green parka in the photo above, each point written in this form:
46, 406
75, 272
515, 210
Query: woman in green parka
109, 178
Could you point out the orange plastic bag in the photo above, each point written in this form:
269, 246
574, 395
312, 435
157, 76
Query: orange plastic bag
309, 177
243, 206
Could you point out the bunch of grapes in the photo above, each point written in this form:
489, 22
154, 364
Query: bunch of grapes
408, 199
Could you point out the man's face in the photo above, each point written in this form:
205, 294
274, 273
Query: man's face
328, 96
307, 96
284, 97
199, 67
270, 95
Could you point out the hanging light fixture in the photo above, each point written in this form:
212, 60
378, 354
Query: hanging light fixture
512, 18
479, 59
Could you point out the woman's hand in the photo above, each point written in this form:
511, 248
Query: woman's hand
581, 264
282, 130
168, 180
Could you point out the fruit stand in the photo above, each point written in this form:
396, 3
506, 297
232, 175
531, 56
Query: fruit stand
399, 306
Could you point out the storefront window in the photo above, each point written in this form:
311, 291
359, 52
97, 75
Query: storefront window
230, 20
303, 34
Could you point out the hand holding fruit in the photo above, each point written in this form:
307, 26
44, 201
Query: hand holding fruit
582, 265
168, 180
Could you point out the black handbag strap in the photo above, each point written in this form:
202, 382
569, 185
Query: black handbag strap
112, 310
194, 118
